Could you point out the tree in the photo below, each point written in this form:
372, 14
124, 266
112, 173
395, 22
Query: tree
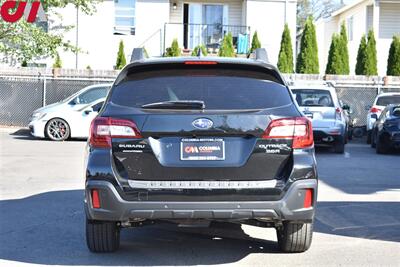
361, 56
255, 42
227, 49
174, 50
307, 59
285, 58
393, 66
315, 8
195, 51
23, 41
371, 62
335, 64
121, 59
57, 62
344, 51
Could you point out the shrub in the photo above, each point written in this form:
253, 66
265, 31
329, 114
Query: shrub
57, 62
361, 56
285, 59
121, 59
307, 60
344, 51
255, 43
393, 66
335, 64
196, 50
227, 49
371, 62
174, 50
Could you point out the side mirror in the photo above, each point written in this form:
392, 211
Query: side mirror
346, 107
88, 111
374, 116
368, 107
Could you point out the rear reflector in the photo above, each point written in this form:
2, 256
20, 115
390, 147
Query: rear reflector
299, 129
308, 198
200, 63
95, 198
102, 130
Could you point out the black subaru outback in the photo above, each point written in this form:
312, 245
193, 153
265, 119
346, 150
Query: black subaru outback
195, 140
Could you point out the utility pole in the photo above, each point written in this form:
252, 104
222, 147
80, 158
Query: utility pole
77, 36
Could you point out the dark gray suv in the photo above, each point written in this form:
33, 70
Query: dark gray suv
195, 140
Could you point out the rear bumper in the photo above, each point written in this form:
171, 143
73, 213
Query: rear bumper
114, 208
325, 136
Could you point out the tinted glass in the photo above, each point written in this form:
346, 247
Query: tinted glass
313, 98
222, 90
92, 95
387, 100
98, 106
396, 112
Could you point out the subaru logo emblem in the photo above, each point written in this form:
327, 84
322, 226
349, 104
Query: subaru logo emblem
202, 123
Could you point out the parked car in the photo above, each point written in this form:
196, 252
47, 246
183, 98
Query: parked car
321, 104
386, 130
195, 140
70, 117
380, 102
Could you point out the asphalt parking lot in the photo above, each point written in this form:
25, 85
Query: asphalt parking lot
42, 217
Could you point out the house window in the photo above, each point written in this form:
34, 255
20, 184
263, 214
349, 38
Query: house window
124, 17
350, 28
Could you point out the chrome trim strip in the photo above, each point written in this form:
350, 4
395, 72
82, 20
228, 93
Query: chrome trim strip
201, 184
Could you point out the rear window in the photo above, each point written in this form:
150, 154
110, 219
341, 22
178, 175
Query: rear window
387, 100
220, 89
313, 98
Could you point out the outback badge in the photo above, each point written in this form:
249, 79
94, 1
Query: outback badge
202, 123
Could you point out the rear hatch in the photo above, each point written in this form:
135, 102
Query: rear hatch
316, 104
200, 122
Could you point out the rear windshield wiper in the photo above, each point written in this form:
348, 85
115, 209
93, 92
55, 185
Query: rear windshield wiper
178, 104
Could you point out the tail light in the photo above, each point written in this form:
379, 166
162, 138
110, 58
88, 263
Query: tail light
338, 113
375, 110
102, 130
299, 129
308, 198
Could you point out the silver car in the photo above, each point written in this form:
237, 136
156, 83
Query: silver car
321, 104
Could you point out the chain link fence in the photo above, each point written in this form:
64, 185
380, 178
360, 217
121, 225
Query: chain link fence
20, 96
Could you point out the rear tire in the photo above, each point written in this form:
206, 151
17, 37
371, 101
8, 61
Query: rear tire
102, 236
338, 147
381, 146
295, 237
369, 137
373, 140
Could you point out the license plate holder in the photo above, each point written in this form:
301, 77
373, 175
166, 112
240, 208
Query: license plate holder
207, 149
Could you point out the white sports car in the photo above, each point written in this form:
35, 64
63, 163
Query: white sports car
69, 118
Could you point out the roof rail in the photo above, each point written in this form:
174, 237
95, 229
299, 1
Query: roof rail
138, 54
261, 54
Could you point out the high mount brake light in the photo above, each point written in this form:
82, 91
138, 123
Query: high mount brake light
375, 110
299, 129
201, 63
102, 130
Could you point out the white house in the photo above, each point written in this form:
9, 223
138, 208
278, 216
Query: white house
383, 16
155, 23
